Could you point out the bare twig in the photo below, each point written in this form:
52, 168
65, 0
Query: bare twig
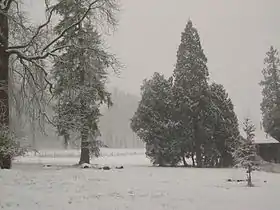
36, 33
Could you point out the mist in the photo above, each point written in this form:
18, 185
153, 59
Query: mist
235, 36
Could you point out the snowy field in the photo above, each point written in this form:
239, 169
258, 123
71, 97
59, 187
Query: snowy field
30, 186
76, 153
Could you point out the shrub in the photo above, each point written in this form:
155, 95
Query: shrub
9, 148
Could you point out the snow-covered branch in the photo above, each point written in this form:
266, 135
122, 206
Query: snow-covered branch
40, 27
6, 4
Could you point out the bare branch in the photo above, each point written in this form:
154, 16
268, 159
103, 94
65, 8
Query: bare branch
37, 57
45, 73
15, 49
25, 57
29, 71
48, 119
8, 4
37, 31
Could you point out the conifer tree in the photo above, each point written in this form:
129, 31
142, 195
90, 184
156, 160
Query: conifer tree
153, 123
184, 117
246, 153
80, 74
270, 105
227, 129
195, 110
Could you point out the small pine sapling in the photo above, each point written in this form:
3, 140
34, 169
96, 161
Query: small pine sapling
246, 152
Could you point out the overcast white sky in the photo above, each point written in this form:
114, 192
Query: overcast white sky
235, 35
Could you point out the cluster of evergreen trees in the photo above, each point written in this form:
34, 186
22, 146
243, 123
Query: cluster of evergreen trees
181, 117
184, 116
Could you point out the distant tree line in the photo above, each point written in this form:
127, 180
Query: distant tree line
115, 122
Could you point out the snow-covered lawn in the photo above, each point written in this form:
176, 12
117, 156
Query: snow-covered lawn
76, 153
30, 186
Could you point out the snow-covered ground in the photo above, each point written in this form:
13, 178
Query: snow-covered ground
76, 153
30, 186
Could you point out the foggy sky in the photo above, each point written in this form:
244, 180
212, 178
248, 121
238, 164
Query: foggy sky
235, 35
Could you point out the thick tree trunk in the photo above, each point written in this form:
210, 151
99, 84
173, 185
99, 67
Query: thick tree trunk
5, 162
85, 156
33, 130
4, 71
85, 153
184, 159
4, 77
198, 155
193, 161
198, 142
212, 162
66, 140
249, 180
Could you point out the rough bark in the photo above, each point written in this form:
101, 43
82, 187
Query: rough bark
4, 70
4, 77
198, 154
5, 162
184, 160
193, 161
249, 180
85, 156
85, 153
198, 143
66, 137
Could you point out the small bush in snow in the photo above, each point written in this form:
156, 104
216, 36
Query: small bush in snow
9, 148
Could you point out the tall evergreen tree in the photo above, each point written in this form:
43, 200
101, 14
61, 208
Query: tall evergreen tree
226, 132
80, 73
195, 110
270, 105
153, 123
